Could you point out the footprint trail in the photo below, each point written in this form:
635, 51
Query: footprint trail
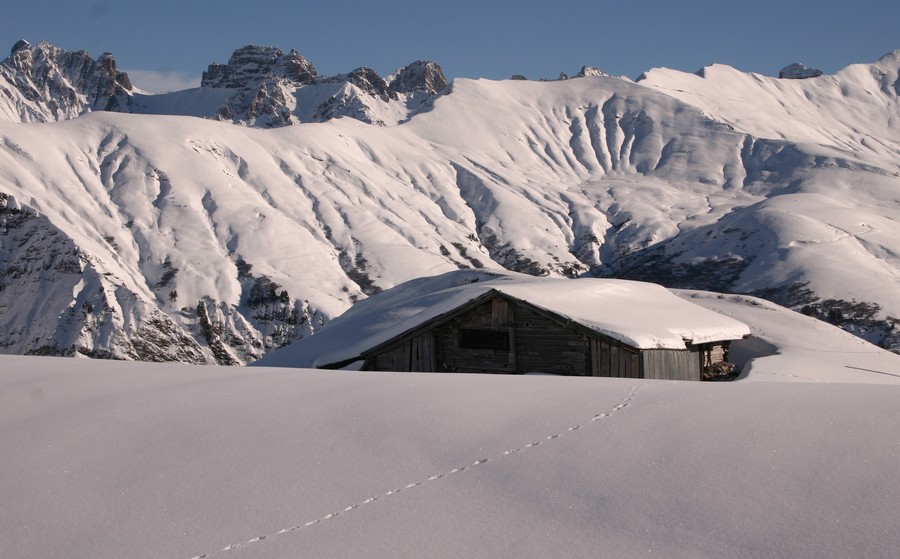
459, 469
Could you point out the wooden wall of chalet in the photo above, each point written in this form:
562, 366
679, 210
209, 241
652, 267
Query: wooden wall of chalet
612, 359
543, 344
670, 364
416, 354
506, 336
493, 319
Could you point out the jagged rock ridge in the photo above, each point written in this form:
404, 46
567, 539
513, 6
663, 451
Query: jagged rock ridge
45, 83
274, 87
264, 87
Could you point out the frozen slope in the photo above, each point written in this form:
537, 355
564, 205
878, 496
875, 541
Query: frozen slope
855, 110
118, 459
792, 347
247, 239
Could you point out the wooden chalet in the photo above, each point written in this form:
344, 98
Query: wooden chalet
520, 324
497, 333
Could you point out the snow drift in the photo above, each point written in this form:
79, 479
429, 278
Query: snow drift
114, 459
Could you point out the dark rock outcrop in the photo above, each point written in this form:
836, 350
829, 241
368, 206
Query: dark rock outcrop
261, 74
422, 76
252, 64
798, 71
370, 82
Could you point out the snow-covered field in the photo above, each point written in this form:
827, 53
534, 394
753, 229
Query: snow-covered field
118, 459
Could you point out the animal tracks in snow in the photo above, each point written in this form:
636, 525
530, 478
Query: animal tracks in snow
459, 469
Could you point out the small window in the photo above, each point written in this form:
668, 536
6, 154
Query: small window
470, 338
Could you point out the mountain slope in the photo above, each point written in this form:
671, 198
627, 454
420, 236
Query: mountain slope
855, 110
248, 238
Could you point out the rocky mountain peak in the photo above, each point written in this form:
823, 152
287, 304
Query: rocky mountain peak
369, 81
422, 76
798, 71
107, 63
54, 84
590, 71
252, 64
20, 44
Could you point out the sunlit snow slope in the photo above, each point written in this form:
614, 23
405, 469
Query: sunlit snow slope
236, 240
112, 459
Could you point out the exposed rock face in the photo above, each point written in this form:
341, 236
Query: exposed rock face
82, 310
263, 76
370, 82
251, 65
56, 299
265, 105
419, 77
797, 71
20, 44
270, 85
590, 71
47, 83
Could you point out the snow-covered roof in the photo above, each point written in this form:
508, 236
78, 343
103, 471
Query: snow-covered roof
642, 315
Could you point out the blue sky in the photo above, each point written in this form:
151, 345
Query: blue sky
176, 40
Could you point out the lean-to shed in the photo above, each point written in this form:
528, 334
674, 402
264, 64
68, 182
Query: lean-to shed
490, 322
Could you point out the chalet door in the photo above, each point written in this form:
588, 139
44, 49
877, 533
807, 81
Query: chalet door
422, 356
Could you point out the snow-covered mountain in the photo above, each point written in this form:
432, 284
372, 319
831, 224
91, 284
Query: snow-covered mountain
165, 236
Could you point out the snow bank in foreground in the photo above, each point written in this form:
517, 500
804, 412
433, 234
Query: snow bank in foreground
114, 459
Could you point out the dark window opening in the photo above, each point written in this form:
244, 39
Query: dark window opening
497, 340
